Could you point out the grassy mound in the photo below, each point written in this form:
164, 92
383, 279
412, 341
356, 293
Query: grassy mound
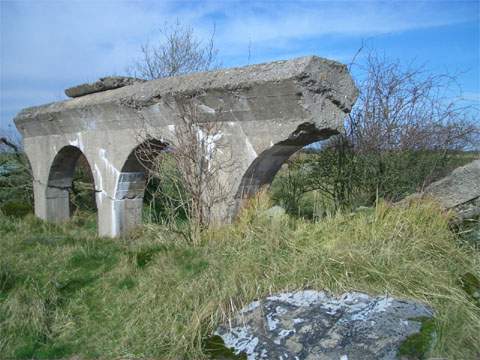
66, 292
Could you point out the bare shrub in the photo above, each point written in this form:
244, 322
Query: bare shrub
408, 108
179, 52
192, 169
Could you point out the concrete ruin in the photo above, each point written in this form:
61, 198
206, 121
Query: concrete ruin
267, 112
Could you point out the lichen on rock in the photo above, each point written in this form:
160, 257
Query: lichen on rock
316, 325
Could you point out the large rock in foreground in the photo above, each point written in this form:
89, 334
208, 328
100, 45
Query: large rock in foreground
314, 325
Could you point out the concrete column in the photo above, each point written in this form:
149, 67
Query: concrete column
121, 212
40, 200
58, 205
117, 217
51, 204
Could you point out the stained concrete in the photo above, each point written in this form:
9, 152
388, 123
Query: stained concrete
264, 114
103, 84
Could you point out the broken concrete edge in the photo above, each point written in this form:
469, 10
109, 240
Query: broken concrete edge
103, 84
150, 92
457, 193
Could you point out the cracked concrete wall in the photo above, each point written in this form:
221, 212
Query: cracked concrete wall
265, 113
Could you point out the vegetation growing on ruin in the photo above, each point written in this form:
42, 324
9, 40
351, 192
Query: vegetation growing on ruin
65, 292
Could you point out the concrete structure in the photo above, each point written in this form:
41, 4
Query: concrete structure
458, 192
267, 112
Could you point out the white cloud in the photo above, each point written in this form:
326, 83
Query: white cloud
68, 42
286, 21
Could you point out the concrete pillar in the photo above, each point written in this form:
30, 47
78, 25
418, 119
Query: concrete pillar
58, 205
117, 217
40, 199
119, 214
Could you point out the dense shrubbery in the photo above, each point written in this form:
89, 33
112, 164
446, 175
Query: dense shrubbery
337, 178
16, 188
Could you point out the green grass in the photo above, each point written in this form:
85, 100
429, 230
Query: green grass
66, 292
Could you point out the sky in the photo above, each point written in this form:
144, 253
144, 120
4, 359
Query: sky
48, 46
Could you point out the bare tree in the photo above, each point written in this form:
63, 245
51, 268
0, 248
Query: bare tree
192, 158
193, 188
408, 108
179, 52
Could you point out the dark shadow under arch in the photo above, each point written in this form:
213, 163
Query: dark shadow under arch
133, 175
263, 169
60, 180
132, 182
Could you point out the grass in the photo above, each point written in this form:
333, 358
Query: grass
66, 292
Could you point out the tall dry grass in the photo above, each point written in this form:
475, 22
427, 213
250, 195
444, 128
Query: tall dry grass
153, 295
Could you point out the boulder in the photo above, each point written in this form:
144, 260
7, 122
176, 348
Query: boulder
103, 84
459, 191
315, 325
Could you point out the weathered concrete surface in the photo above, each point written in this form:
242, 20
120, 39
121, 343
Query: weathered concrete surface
312, 325
459, 191
103, 84
266, 112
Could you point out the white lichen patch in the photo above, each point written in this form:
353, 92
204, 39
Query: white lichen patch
241, 340
300, 298
271, 322
292, 324
206, 109
250, 307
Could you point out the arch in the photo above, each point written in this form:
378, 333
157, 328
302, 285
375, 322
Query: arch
263, 169
131, 183
60, 178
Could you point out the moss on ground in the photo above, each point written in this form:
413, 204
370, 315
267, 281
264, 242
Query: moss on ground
417, 346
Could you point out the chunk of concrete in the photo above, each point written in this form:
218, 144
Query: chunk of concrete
459, 191
103, 84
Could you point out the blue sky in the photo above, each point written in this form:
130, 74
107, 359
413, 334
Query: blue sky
47, 46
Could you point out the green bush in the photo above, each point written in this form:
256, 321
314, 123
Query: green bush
16, 183
16, 209
341, 179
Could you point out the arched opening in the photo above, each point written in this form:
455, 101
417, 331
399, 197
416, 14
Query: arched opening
283, 170
70, 187
148, 184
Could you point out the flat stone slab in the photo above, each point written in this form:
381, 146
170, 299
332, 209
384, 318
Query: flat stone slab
315, 325
103, 84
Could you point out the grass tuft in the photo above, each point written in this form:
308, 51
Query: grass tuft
153, 295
